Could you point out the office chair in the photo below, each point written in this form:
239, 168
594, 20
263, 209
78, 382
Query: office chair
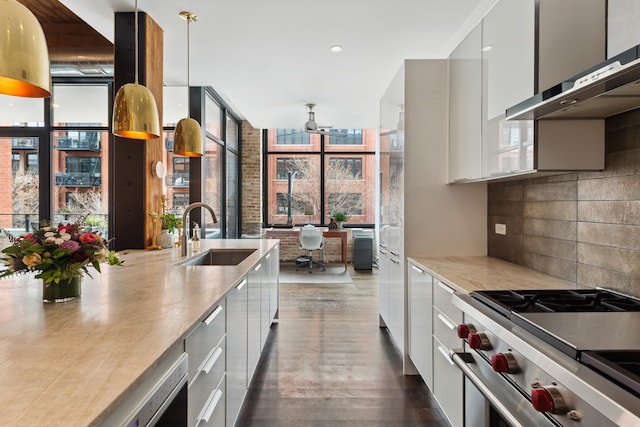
310, 239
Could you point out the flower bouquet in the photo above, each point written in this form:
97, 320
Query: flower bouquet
59, 255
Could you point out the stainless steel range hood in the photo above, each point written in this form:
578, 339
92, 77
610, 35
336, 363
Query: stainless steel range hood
609, 88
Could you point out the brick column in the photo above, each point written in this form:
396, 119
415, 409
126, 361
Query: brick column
251, 168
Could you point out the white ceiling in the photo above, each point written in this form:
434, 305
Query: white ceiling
267, 59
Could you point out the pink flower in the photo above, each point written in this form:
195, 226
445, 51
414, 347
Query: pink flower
70, 245
88, 238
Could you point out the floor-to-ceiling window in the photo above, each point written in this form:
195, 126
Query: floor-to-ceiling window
320, 173
80, 144
54, 157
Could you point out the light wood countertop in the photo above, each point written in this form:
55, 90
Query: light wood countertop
471, 273
70, 364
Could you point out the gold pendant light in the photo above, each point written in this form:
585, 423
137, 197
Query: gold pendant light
24, 57
187, 140
135, 113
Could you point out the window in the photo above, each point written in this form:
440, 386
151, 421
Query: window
298, 202
180, 175
15, 162
328, 177
32, 162
345, 168
180, 200
351, 137
291, 137
284, 165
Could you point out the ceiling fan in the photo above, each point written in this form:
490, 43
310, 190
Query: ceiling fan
312, 127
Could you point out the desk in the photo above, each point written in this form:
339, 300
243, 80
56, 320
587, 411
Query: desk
275, 233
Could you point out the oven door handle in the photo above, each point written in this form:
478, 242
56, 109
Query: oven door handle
462, 360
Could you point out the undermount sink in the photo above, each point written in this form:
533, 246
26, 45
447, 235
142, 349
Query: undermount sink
218, 257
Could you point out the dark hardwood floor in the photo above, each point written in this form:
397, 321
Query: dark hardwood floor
328, 363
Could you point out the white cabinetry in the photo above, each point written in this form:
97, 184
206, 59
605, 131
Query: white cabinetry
447, 378
237, 303
420, 214
508, 76
524, 47
254, 346
251, 308
465, 88
623, 31
421, 322
205, 346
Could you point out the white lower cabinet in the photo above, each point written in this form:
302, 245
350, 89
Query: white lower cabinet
420, 321
447, 378
237, 310
254, 347
447, 384
433, 321
205, 347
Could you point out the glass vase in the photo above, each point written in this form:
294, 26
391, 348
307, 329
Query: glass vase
65, 290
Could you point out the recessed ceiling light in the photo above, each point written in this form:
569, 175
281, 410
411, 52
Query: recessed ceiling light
487, 48
336, 48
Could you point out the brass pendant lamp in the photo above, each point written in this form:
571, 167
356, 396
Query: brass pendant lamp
135, 113
24, 57
187, 140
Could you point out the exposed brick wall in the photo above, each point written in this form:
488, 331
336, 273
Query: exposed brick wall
583, 227
251, 169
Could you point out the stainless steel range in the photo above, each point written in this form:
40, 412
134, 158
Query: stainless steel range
556, 358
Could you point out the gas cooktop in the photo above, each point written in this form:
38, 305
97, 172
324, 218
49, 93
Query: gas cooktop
556, 301
597, 327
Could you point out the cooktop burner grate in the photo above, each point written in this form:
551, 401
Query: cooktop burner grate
572, 300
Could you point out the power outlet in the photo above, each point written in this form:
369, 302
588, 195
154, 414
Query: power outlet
501, 229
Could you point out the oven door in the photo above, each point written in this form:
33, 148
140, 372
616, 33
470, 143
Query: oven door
491, 401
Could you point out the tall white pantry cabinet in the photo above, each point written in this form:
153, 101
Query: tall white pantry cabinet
420, 214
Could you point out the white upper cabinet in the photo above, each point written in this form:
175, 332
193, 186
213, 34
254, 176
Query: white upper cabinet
623, 31
508, 75
465, 88
521, 48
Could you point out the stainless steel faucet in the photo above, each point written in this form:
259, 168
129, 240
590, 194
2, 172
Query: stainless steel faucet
192, 206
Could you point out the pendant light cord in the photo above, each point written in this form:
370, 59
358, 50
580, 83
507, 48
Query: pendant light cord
188, 68
135, 28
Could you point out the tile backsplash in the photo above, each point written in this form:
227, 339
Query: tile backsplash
583, 227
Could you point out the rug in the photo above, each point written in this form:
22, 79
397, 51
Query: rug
288, 274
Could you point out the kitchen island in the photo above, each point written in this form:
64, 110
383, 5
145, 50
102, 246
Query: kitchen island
74, 363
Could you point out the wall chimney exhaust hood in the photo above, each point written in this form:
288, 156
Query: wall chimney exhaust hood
610, 88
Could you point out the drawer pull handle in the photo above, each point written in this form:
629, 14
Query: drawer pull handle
446, 321
445, 287
213, 315
242, 284
382, 245
445, 353
416, 269
257, 267
395, 253
268, 256
395, 261
212, 360
210, 406
382, 251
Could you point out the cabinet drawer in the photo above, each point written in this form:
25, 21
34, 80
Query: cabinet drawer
447, 384
206, 380
212, 412
204, 338
442, 300
445, 330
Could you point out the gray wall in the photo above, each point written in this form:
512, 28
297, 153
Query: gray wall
583, 227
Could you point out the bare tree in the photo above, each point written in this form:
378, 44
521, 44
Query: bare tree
25, 196
345, 187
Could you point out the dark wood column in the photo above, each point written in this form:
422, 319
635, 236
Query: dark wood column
135, 192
